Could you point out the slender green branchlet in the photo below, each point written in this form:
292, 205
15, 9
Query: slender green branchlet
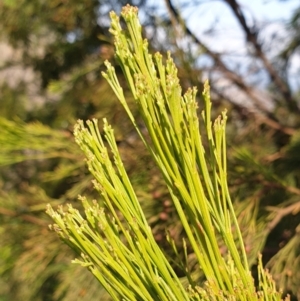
115, 242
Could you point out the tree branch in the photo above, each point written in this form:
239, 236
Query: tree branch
26, 217
251, 37
260, 118
281, 213
265, 117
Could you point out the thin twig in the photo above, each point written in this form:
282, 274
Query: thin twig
259, 117
265, 117
25, 217
251, 37
281, 213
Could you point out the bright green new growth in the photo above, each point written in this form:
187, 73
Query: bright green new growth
115, 242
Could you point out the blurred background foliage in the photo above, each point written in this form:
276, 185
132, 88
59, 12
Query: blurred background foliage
52, 56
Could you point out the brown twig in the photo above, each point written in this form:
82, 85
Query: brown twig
282, 212
259, 117
264, 117
25, 217
232, 76
252, 38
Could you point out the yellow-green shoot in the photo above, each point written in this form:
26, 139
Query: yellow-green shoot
115, 242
